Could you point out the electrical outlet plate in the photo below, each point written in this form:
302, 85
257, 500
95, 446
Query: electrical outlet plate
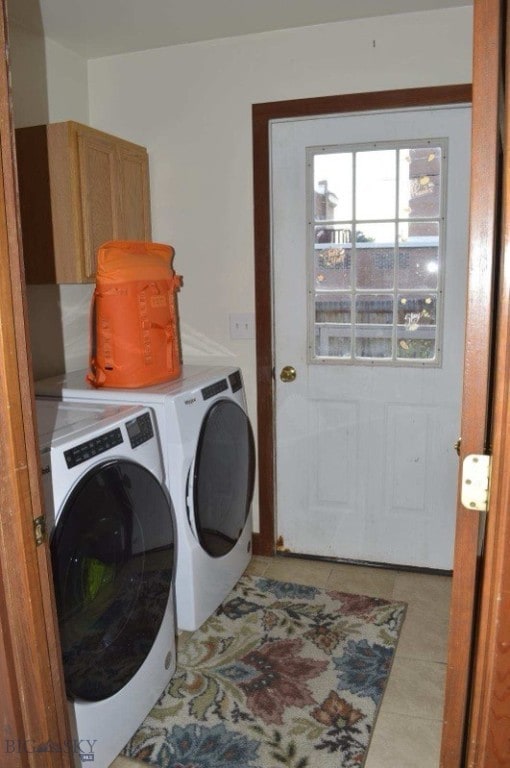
242, 325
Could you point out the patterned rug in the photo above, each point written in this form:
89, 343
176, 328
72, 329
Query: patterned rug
281, 675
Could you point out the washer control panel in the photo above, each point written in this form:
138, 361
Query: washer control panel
140, 429
84, 451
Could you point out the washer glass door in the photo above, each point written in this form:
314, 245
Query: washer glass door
112, 556
223, 477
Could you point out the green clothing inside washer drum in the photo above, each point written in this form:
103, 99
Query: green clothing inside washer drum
96, 576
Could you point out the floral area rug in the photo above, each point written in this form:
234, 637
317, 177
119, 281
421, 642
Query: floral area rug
281, 675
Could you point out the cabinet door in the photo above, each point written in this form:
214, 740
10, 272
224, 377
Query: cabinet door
134, 192
79, 188
99, 195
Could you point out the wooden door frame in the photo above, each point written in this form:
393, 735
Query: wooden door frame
32, 703
488, 742
487, 112
262, 115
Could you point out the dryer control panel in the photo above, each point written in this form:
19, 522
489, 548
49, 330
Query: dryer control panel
214, 389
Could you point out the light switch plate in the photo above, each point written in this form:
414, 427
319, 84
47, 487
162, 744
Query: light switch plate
242, 325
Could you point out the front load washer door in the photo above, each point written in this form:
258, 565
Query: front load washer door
112, 554
223, 477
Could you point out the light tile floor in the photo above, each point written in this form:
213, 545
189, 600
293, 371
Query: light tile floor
408, 728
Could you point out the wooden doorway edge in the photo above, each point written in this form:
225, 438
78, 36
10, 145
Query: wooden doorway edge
33, 704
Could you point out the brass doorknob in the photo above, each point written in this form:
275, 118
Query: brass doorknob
288, 373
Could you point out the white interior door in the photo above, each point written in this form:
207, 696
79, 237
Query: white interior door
369, 248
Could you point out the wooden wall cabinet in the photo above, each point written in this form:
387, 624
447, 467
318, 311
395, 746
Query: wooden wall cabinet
78, 188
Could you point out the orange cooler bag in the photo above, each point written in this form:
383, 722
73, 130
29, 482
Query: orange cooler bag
134, 338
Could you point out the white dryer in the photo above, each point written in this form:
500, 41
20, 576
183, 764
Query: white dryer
112, 542
209, 458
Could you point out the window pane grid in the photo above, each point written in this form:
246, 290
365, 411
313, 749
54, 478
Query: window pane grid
376, 278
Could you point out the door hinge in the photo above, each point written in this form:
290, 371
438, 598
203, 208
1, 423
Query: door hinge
475, 481
39, 530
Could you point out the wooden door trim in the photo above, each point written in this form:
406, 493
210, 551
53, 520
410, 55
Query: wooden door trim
483, 235
488, 742
262, 115
33, 700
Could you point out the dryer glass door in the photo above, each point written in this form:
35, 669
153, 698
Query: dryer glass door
112, 555
223, 477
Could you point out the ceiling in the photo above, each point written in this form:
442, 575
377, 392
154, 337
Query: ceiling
96, 28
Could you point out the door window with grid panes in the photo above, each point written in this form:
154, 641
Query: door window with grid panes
376, 233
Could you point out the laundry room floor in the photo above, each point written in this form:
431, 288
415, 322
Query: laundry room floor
408, 728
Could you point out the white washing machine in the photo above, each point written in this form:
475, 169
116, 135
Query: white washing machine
112, 542
209, 459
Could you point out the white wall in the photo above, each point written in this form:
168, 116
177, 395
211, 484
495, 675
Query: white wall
67, 84
27, 54
49, 82
191, 106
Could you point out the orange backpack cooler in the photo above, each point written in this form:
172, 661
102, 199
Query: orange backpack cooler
134, 339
